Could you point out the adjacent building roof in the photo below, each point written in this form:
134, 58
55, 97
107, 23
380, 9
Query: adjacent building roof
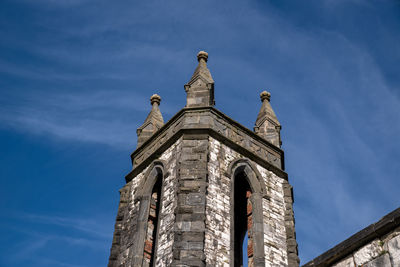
356, 241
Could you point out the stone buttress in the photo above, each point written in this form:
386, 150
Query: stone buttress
200, 184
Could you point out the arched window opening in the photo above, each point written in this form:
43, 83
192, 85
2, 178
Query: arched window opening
243, 222
152, 223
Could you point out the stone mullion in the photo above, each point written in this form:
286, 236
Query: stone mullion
257, 230
250, 242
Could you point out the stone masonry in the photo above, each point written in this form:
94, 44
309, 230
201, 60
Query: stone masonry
202, 157
378, 245
217, 245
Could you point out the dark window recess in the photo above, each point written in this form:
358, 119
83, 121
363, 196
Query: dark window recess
243, 212
151, 234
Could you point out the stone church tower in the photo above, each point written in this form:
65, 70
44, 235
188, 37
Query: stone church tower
202, 184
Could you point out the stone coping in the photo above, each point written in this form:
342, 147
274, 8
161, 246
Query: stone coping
208, 120
388, 223
226, 117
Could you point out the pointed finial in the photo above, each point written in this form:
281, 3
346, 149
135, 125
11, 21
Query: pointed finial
265, 96
155, 99
202, 55
267, 124
153, 122
200, 88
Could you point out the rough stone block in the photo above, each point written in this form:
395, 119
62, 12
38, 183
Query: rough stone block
191, 254
198, 226
183, 226
394, 250
381, 261
195, 245
195, 199
368, 252
193, 236
348, 262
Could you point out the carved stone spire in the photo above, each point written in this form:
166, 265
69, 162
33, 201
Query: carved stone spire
200, 88
267, 124
153, 122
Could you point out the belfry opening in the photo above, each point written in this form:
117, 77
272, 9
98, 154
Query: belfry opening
243, 221
152, 224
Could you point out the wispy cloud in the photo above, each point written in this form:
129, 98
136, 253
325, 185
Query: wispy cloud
40, 236
105, 117
88, 226
55, 3
29, 248
45, 74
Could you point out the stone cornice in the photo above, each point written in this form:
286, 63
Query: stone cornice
208, 120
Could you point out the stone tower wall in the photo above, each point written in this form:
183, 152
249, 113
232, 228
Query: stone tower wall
218, 204
126, 227
217, 241
169, 202
188, 244
195, 208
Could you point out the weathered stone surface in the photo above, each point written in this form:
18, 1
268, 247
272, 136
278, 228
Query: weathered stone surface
368, 252
213, 122
381, 261
217, 238
348, 262
126, 224
169, 203
367, 244
190, 213
275, 238
394, 250
126, 227
273, 227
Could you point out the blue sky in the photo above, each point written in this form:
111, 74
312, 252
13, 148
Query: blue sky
75, 82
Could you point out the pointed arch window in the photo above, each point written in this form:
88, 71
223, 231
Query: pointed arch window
243, 222
246, 216
150, 196
152, 224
